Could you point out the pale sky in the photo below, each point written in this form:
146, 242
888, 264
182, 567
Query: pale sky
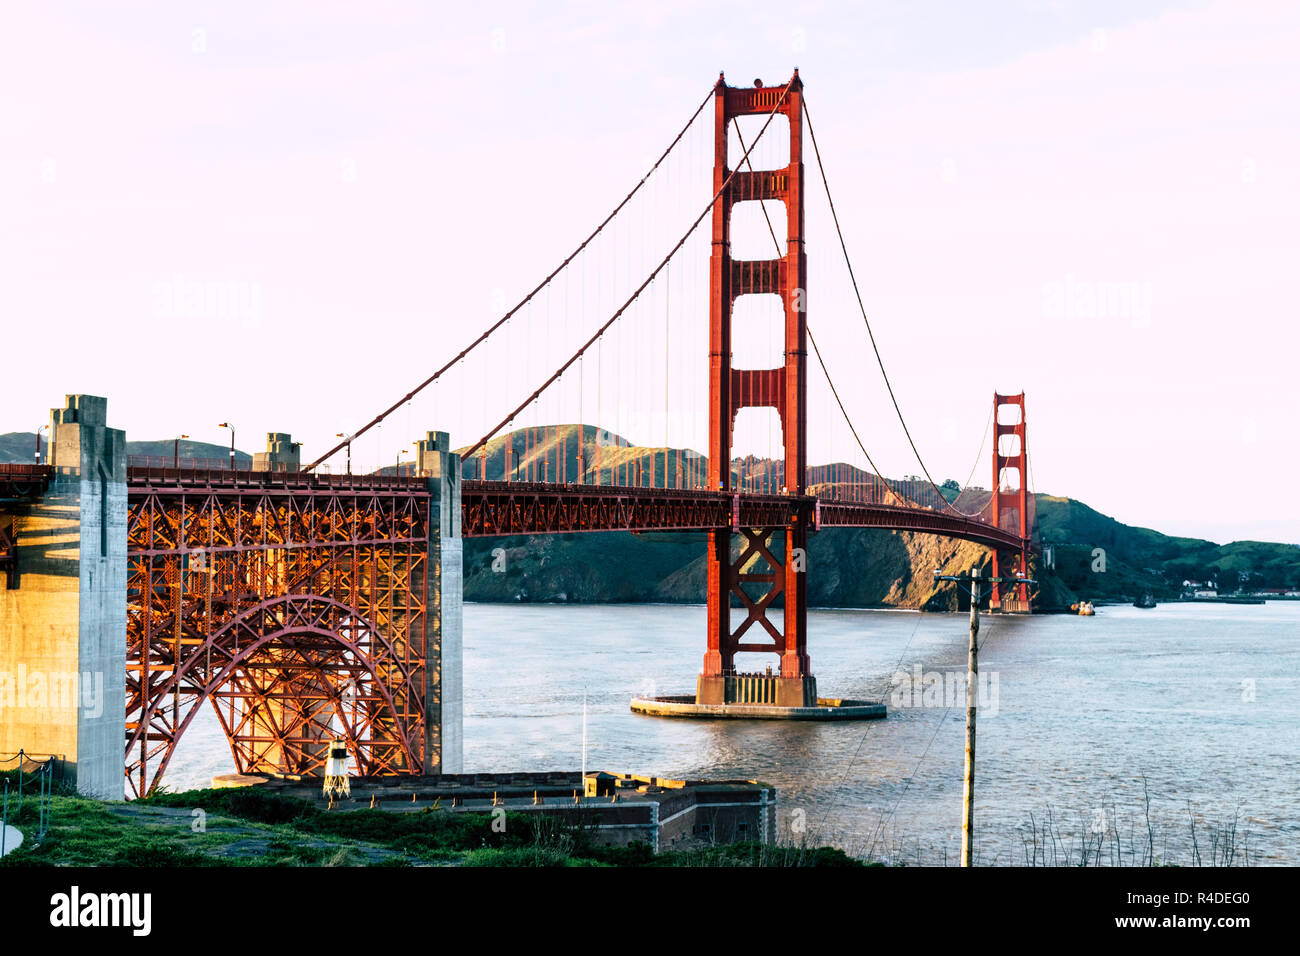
286, 215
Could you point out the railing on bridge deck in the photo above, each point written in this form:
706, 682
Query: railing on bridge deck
17, 470
493, 508
512, 507
188, 464
154, 470
24, 472
20, 482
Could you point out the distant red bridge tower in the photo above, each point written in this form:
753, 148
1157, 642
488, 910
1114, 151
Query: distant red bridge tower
1011, 507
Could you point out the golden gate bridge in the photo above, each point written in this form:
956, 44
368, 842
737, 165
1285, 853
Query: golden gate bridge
306, 605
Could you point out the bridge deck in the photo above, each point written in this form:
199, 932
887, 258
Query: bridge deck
505, 507
499, 507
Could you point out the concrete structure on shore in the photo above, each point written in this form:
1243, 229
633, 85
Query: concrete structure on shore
615, 809
63, 607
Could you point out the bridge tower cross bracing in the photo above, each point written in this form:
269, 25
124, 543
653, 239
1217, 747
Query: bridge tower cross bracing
783, 388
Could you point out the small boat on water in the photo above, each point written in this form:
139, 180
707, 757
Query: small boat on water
1084, 608
1145, 601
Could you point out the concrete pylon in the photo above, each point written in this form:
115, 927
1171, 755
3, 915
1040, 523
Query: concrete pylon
63, 629
282, 454
444, 604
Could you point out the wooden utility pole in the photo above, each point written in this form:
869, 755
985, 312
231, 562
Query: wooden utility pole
972, 674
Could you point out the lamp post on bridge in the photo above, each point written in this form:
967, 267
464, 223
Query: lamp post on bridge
232, 442
349, 438
176, 451
973, 579
38, 442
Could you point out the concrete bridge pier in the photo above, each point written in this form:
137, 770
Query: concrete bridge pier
282, 454
444, 604
63, 619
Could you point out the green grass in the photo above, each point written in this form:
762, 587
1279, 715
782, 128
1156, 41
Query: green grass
250, 827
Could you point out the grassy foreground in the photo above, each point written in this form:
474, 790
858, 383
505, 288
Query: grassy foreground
247, 827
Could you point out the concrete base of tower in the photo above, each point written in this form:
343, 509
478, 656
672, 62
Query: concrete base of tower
1011, 606
758, 697
757, 689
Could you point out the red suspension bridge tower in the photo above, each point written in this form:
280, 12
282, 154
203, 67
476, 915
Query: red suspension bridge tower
783, 388
1010, 507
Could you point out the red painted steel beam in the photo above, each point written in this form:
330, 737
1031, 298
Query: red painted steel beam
834, 514
491, 508
499, 508
266, 596
24, 482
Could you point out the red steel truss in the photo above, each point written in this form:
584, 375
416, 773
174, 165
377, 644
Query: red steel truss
900, 518
498, 508
501, 507
293, 603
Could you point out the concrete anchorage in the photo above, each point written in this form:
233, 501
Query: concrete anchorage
63, 622
63, 627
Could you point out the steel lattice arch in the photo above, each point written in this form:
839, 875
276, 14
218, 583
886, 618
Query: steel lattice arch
293, 604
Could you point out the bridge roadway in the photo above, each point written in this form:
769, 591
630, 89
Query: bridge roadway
499, 507
509, 507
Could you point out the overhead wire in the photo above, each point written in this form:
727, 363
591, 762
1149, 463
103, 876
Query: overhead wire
912, 776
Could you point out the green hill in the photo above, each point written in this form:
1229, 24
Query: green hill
1133, 560
19, 448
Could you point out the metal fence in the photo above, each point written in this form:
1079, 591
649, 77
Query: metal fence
39, 781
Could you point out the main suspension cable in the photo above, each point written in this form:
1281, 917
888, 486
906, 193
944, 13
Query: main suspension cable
524, 301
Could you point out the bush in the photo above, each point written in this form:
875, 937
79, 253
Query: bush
248, 803
158, 854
